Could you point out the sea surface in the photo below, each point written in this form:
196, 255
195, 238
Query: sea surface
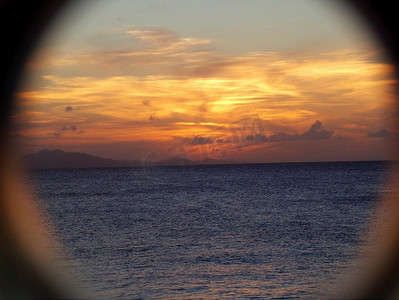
260, 231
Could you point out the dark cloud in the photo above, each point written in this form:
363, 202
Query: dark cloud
68, 108
383, 133
257, 137
200, 140
315, 132
72, 128
57, 133
222, 141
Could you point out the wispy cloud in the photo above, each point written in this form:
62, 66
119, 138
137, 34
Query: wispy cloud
155, 51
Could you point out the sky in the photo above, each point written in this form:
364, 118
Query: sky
235, 80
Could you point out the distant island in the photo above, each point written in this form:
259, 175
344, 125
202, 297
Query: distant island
58, 159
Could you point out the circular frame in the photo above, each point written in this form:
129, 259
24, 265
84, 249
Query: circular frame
24, 268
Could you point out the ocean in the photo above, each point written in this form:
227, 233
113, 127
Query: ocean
256, 231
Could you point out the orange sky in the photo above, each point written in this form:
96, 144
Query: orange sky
158, 94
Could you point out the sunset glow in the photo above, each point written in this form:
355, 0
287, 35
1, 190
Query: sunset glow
128, 91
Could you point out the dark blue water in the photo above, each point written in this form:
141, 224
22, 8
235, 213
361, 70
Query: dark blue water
233, 231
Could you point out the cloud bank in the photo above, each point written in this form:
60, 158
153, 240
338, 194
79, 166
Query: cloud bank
383, 133
315, 132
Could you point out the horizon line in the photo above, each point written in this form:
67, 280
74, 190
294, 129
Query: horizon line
201, 162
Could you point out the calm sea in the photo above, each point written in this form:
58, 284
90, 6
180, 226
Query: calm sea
274, 231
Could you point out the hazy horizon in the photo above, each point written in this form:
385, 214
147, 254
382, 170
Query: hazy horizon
181, 161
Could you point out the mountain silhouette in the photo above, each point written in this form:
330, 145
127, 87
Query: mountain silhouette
58, 159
